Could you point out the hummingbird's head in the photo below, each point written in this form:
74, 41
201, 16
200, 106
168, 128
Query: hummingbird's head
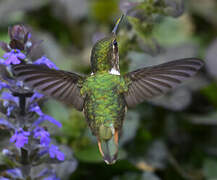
108, 143
104, 55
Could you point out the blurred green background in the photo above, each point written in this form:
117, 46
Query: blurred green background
172, 137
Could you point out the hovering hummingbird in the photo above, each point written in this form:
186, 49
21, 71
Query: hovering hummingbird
105, 94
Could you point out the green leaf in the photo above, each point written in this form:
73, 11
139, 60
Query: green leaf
4, 38
210, 93
92, 154
89, 154
57, 110
171, 31
210, 168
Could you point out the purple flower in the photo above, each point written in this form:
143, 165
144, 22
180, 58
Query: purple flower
13, 57
20, 138
6, 123
36, 96
43, 135
52, 120
44, 172
3, 85
2, 61
18, 32
46, 61
19, 83
52, 177
9, 97
7, 152
49, 118
3, 178
14, 173
35, 108
5, 47
55, 152
9, 110
29, 36
35, 138
48, 173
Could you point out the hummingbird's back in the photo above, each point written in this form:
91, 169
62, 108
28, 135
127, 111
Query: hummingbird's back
104, 102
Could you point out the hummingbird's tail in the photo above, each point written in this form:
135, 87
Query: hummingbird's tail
109, 148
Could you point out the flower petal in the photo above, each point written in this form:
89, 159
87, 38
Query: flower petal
9, 97
46, 61
21, 55
14, 173
37, 110
52, 120
60, 156
20, 138
6, 123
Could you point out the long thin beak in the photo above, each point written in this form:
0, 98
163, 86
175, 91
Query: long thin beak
117, 25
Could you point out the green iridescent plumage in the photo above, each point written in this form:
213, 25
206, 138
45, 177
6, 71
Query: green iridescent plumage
105, 94
101, 55
105, 101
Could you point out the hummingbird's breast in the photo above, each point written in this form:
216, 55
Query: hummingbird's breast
104, 102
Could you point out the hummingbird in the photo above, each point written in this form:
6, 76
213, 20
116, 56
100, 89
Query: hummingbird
105, 94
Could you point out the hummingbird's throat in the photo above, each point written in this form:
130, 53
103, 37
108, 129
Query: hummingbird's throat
115, 70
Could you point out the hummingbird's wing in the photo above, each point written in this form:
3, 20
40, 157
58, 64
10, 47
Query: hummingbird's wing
59, 84
152, 81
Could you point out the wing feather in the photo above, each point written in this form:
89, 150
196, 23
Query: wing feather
152, 81
59, 84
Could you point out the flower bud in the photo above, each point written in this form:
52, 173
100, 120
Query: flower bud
19, 36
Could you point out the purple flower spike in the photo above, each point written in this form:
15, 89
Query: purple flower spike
2, 61
3, 85
3, 178
4, 46
29, 35
9, 97
43, 135
18, 32
52, 120
9, 110
55, 152
20, 138
6, 123
52, 177
35, 108
36, 96
13, 57
46, 61
44, 117
14, 173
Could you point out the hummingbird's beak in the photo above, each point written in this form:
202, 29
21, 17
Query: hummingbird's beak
109, 149
117, 25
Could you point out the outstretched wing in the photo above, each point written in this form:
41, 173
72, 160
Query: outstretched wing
59, 84
152, 81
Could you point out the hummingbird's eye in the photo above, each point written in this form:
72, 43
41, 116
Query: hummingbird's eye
115, 43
